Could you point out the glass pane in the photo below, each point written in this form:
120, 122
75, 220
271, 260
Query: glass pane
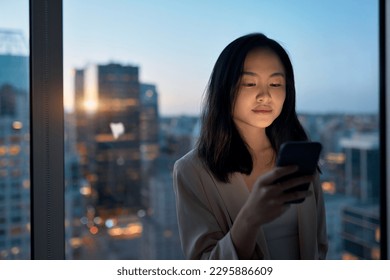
14, 131
134, 76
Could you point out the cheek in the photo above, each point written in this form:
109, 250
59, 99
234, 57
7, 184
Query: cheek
239, 104
279, 99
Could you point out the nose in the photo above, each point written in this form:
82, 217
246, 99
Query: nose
262, 95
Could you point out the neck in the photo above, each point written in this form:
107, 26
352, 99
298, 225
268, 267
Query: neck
257, 141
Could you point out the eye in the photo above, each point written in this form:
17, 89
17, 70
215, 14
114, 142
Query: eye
275, 84
249, 84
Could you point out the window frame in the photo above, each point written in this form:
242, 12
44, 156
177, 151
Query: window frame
47, 130
384, 103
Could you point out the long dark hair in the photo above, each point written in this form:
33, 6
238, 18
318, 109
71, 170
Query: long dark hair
220, 145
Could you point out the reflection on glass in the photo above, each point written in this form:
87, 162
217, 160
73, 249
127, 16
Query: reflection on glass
120, 150
14, 144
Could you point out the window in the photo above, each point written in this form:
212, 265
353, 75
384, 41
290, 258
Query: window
133, 94
14, 131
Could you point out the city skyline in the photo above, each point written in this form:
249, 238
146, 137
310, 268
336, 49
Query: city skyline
350, 176
333, 45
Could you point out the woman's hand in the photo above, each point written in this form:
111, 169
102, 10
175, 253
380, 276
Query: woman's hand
268, 200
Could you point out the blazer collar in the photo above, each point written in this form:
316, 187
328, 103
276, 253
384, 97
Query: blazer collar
234, 196
306, 228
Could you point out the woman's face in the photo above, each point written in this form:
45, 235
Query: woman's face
261, 91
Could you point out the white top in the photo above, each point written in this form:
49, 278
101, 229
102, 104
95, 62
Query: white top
282, 235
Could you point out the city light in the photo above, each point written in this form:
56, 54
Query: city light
375, 254
26, 184
3, 150
378, 234
109, 223
131, 231
348, 256
91, 106
336, 158
98, 220
117, 129
86, 190
15, 250
76, 242
17, 125
329, 187
94, 230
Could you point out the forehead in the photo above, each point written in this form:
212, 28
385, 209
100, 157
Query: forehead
263, 60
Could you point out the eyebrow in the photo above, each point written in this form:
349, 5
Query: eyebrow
272, 75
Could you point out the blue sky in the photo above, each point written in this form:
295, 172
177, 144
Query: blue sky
333, 44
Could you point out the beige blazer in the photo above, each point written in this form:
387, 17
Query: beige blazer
206, 209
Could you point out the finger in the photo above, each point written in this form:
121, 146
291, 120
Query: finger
297, 195
291, 183
278, 172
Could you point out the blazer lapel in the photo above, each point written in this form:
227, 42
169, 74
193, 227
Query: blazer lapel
307, 234
234, 196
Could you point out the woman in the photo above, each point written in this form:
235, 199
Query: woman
228, 205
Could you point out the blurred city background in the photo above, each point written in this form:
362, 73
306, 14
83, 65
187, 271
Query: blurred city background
123, 135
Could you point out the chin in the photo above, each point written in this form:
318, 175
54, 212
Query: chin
264, 123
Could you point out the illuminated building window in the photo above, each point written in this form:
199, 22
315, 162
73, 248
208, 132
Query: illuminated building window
16, 231
3, 150
348, 256
14, 150
16, 125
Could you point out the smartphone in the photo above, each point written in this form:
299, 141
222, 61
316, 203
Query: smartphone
305, 155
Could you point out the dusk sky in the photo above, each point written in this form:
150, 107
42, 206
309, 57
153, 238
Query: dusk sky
333, 44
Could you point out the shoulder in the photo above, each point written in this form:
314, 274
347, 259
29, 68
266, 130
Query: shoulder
190, 161
190, 173
189, 177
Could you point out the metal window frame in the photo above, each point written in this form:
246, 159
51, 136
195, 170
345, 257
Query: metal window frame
384, 103
47, 130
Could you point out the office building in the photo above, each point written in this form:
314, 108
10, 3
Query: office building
149, 136
360, 220
362, 166
108, 101
14, 150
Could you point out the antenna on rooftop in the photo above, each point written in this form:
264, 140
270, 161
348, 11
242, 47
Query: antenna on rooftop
13, 42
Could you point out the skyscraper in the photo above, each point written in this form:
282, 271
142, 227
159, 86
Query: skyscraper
14, 150
111, 112
362, 166
149, 137
360, 220
149, 119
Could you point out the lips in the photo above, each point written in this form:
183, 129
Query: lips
262, 110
